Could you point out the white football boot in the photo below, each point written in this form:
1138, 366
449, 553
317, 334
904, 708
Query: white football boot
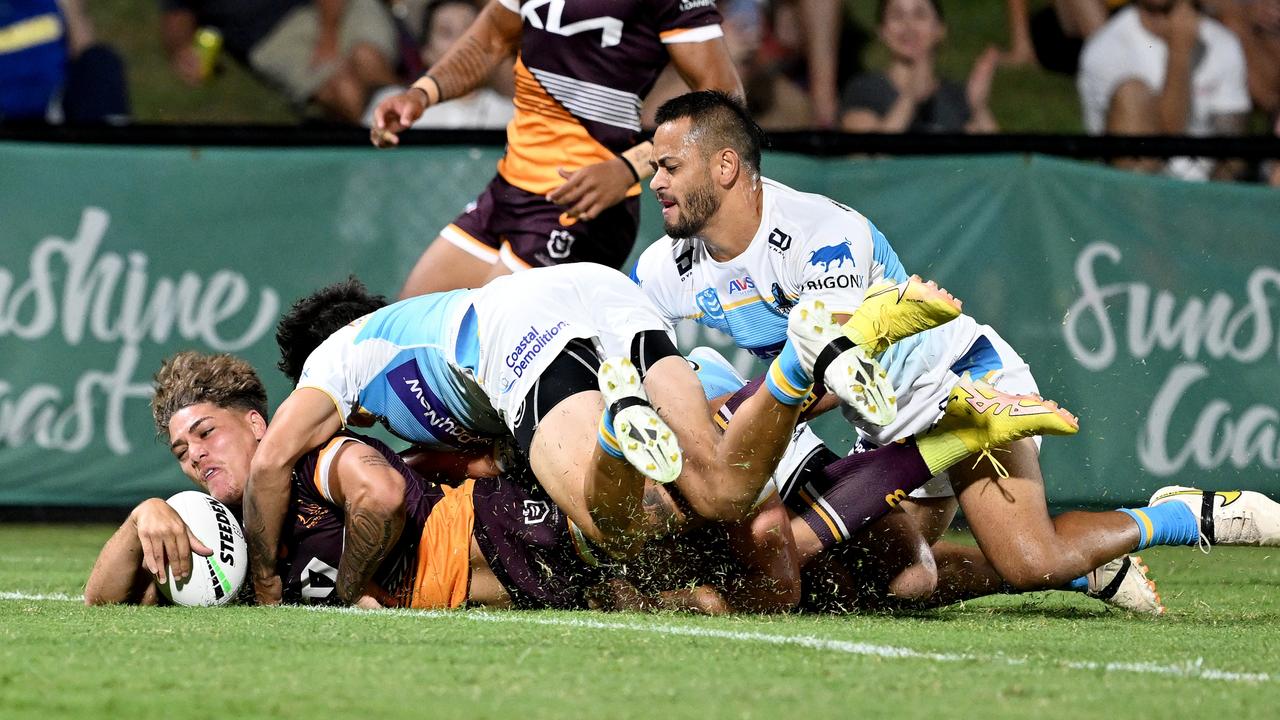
1124, 583
647, 442
1228, 517
833, 360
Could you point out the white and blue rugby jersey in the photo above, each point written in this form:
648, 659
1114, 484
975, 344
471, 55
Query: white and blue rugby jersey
806, 244
412, 366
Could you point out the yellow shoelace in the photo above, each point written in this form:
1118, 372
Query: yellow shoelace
986, 451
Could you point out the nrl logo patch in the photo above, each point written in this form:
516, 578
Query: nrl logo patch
709, 303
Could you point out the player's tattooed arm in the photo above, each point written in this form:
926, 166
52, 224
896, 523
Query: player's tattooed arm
303, 421
707, 66
371, 493
370, 535
494, 35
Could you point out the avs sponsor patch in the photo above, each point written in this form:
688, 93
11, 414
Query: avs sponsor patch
741, 285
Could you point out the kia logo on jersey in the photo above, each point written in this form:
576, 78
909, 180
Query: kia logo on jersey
610, 28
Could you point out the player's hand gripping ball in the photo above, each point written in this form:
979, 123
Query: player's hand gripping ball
217, 579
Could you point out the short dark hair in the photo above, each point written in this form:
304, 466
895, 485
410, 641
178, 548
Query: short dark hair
884, 5
315, 317
725, 120
190, 378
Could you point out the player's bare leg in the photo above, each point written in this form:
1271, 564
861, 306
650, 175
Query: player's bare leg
899, 558
932, 515
599, 492
965, 573
444, 266
1009, 518
722, 475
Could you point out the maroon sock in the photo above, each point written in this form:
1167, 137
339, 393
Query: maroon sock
843, 496
730, 406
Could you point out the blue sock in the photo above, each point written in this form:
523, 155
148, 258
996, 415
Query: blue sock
787, 379
1171, 523
606, 437
1080, 584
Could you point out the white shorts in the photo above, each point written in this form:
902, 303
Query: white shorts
925, 375
526, 319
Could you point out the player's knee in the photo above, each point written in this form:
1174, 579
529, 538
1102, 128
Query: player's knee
1031, 570
917, 582
720, 507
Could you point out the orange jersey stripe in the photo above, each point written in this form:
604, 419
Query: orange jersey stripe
444, 551
826, 519
544, 137
324, 465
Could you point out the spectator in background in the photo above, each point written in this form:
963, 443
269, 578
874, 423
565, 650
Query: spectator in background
334, 53
53, 69
443, 22
1054, 35
1257, 24
792, 56
909, 96
1160, 67
809, 46
775, 101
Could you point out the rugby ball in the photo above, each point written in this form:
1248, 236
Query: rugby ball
217, 579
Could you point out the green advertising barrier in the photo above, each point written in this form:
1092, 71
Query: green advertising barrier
1147, 306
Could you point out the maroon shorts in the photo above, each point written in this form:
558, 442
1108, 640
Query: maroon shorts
523, 230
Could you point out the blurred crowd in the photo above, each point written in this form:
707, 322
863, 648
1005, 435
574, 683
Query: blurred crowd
1142, 67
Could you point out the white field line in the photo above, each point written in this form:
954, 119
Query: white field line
62, 597
1193, 669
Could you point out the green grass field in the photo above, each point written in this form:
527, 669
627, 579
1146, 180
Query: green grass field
1045, 655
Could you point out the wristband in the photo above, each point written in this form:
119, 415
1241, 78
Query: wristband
635, 175
638, 159
439, 94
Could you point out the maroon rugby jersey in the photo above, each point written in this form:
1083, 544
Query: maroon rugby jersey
583, 70
522, 534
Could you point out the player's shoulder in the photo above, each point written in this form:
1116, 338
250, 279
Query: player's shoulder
810, 217
667, 260
801, 206
331, 351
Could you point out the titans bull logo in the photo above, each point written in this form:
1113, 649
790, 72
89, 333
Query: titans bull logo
837, 253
